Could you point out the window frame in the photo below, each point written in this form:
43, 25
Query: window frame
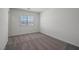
28, 20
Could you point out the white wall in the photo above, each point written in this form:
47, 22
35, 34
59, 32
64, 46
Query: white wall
3, 27
15, 28
62, 24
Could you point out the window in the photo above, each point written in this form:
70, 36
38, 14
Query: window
26, 20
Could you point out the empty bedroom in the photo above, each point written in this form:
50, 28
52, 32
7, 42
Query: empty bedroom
43, 29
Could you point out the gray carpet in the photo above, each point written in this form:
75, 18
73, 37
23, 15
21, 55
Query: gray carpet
37, 41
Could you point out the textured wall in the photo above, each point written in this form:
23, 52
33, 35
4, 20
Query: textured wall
15, 27
62, 24
3, 27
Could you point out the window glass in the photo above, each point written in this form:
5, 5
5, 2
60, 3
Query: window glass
30, 19
26, 19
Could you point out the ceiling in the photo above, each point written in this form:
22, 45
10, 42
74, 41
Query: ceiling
35, 9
